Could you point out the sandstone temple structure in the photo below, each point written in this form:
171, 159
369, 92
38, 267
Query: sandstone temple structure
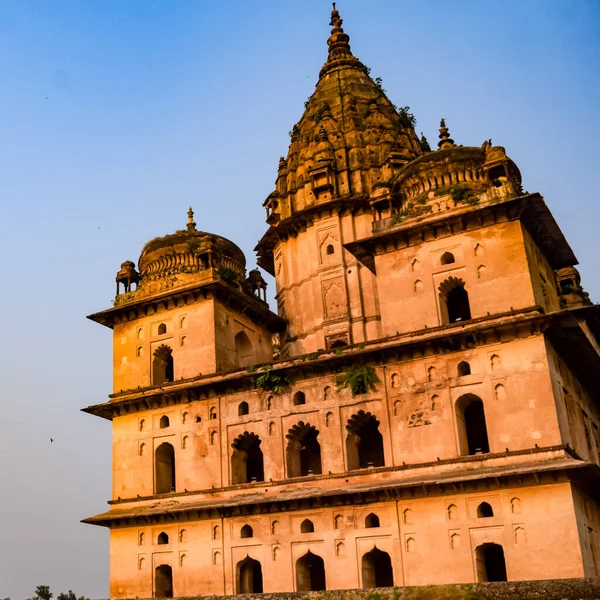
423, 406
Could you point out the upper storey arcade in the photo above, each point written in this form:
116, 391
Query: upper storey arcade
189, 310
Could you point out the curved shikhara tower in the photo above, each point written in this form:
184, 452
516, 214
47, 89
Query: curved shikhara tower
345, 151
423, 408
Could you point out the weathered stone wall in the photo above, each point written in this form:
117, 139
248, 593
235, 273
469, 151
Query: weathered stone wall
548, 589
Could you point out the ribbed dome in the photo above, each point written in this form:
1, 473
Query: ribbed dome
188, 251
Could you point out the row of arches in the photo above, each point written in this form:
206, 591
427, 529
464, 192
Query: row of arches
376, 570
364, 447
307, 526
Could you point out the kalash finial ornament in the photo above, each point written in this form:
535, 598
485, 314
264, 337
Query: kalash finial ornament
445, 140
191, 224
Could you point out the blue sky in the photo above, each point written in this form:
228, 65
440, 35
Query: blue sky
115, 116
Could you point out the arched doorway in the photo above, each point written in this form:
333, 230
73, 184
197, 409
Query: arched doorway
364, 442
162, 365
249, 577
472, 428
164, 465
247, 464
163, 582
243, 349
454, 301
490, 562
377, 569
310, 573
303, 451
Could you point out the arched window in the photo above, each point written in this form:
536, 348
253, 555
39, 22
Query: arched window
310, 573
183, 535
214, 438
216, 532
500, 392
338, 522
139, 351
330, 249
182, 322
142, 423
141, 538
395, 380
163, 582
515, 505
447, 258
303, 452
162, 538
162, 365
275, 528
243, 349
164, 422
142, 449
485, 510
417, 286
243, 409
431, 374
162, 329
407, 516
452, 512
454, 301
377, 569
327, 393
464, 368
495, 362
246, 532
212, 413
247, 464
472, 429
455, 541
372, 520
490, 562
364, 442
299, 398
307, 526
249, 577
164, 465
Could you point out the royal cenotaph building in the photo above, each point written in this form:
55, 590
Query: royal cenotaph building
423, 407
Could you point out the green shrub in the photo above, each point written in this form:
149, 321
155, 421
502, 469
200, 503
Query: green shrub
268, 381
359, 378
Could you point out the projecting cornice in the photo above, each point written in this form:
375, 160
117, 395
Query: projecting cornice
137, 308
436, 340
464, 474
530, 209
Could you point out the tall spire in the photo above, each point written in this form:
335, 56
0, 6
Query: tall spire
338, 42
445, 140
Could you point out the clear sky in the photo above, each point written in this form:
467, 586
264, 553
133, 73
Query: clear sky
115, 116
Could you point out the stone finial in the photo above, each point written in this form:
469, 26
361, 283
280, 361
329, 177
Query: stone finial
191, 224
338, 42
445, 140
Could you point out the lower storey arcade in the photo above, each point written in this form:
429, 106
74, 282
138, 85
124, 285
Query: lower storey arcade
491, 534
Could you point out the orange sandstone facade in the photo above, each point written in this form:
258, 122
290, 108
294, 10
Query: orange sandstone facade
423, 407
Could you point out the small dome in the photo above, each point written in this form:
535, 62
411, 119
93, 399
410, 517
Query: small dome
189, 251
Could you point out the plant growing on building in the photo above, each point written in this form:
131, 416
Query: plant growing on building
359, 378
268, 381
229, 275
